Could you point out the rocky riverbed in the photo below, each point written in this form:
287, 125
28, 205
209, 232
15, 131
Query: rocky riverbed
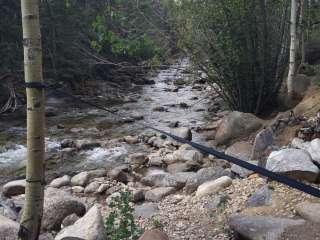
93, 155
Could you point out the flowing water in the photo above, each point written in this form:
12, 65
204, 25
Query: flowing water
183, 102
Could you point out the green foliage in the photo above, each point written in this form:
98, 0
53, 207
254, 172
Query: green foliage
240, 45
120, 222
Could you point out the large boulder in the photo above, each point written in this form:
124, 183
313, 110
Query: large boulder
294, 163
262, 141
146, 210
8, 229
240, 150
182, 132
213, 186
59, 204
154, 234
204, 175
162, 180
89, 227
236, 124
157, 194
14, 188
314, 150
260, 227
309, 211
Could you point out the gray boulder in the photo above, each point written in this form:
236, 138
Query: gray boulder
8, 229
262, 141
14, 188
59, 204
242, 172
182, 132
236, 124
157, 194
240, 150
146, 210
260, 227
314, 150
213, 186
89, 227
187, 155
261, 197
60, 182
8, 208
295, 163
162, 180
309, 211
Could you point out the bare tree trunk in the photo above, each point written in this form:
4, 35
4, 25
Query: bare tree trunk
32, 212
292, 64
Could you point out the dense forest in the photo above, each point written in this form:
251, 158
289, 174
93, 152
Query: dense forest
159, 119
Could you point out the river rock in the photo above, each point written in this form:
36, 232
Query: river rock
155, 160
154, 234
120, 173
146, 210
182, 132
131, 139
309, 211
14, 188
81, 179
87, 144
159, 109
8, 208
136, 116
183, 177
260, 227
262, 141
157, 194
60, 182
187, 155
183, 167
213, 186
241, 150
92, 187
242, 172
59, 204
204, 175
294, 163
162, 180
8, 229
261, 197
89, 227
314, 150
236, 124
137, 159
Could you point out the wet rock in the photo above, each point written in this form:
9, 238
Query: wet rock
120, 173
8, 229
174, 124
131, 140
154, 234
87, 144
204, 175
213, 186
8, 208
137, 159
59, 204
157, 194
309, 211
260, 227
14, 188
261, 197
236, 124
262, 141
182, 132
60, 182
162, 180
136, 116
67, 143
159, 109
242, 172
146, 210
70, 220
157, 142
89, 227
294, 163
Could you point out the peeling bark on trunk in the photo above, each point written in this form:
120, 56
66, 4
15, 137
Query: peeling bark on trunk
32, 212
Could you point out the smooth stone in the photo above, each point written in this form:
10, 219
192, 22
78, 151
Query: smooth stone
8, 229
60, 182
154, 234
243, 172
241, 150
162, 180
157, 194
14, 188
261, 197
309, 211
182, 132
213, 186
146, 210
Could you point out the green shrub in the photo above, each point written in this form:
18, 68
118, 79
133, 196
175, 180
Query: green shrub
120, 222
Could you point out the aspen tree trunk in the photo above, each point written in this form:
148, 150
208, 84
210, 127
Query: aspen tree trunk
32, 212
292, 64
